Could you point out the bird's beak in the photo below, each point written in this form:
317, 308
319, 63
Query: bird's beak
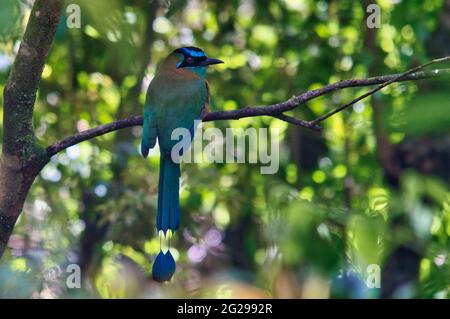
210, 61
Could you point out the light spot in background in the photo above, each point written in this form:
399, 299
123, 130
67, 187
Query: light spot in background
221, 215
41, 206
130, 17
226, 181
96, 78
313, 50
323, 231
396, 137
19, 264
441, 294
82, 125
272, 253
76, 227
47, 72
5, 62
325, 162
146, 82
16, 46
265, 35
17, 245
63, 159
346, 63
64, 192
254, 61
246, 9
53, 98
108, 246
208, 35
161, 25
73, 152
41, 129
334, 42
159, 45
407, 49
439, 260
359, 107
100, 190
421, 220
322, 6
136, 131
340, 171
113, 36
291, 173
307, 193
196, 253
296, 5
91, 31
186, 37
315, 287
84, 170
319, 177
213, 237
51, 173
260, 256
224, 291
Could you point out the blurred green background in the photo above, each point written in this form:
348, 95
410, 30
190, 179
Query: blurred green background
373, 189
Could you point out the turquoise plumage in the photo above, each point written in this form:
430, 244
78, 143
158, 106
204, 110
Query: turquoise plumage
177, 96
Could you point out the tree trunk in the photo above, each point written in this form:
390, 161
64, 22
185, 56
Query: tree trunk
22, 159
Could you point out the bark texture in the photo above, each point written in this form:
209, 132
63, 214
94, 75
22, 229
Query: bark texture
22, 159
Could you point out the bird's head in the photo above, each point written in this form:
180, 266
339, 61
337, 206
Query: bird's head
192, 60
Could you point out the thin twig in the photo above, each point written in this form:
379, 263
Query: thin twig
299, 122
378, 88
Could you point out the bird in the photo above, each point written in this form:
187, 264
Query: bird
177, 97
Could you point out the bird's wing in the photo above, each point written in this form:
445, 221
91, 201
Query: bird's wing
149, 130
206, 108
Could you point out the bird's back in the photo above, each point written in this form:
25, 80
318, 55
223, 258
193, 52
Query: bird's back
178, 102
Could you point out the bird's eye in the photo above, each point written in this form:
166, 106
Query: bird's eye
189, 59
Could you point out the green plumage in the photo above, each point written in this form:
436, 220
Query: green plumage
174, 100
177, 96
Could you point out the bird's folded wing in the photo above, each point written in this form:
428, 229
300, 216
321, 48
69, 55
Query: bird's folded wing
206, 108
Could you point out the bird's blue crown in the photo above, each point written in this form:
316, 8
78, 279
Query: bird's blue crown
192, 57
195, 60
191, 51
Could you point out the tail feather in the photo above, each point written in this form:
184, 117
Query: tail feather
174, 219
168, 195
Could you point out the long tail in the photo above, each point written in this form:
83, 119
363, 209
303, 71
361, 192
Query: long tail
168, 214
168, 195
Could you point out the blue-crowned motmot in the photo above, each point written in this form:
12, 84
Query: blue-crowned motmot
176, 97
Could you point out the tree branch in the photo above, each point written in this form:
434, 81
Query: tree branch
299, 122
131, 121
371, 92
274, 110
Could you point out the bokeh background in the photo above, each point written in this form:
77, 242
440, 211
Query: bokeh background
373, 189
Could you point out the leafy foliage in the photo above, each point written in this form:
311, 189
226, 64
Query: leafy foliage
339, 202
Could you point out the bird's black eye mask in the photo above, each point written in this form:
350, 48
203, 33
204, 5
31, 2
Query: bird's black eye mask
189, 61
194, 57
